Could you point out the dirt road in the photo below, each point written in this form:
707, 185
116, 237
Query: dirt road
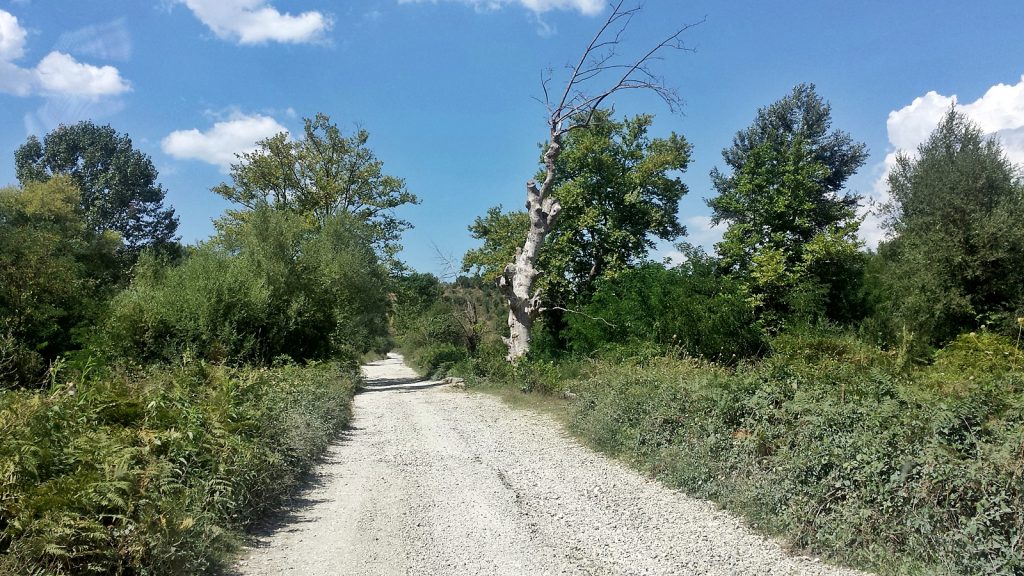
433, 481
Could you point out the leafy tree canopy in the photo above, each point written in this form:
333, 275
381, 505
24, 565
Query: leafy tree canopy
791, 232
618, 189
955, 216
323, 174
117, 183
53, 275
801, 115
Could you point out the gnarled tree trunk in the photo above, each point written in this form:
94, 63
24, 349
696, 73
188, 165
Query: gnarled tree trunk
574, 110
517, 280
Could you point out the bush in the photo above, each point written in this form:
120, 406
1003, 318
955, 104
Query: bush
688, 309
55, 274
267, 286
436, 359
156, 473
828, 443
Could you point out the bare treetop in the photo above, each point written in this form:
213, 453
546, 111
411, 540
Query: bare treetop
602, 64
600, 72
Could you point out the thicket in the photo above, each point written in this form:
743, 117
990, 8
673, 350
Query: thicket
440, 325
831, 445
688, 310
269, 286
156, 472
868, 407
149, 414
55, 275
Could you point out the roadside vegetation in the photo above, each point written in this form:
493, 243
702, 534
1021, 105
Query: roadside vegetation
156, 400
865, 405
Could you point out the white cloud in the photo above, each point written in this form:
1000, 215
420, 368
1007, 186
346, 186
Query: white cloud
109, 41
588, 7
58, 74
220, 144
12, 37
1000, 112
700, 232
257, 22
61, 74
15, 80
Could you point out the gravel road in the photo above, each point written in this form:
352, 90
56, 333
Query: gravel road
435, 481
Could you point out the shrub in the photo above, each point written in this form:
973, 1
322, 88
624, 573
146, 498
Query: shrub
435, 360
156, 473
688, 309
267, 286
830, 444
55, 274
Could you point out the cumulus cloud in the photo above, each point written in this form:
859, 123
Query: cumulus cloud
220, 144
15, 80
60, 73
588, 7
56, 74
258, 22
12, 37
999, 112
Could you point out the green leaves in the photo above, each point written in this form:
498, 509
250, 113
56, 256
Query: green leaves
209, 451
618, 188
117, 183
792, 235
323, 174
54, 273
958, 250
271, 285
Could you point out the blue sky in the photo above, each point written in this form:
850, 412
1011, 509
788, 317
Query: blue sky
446, 88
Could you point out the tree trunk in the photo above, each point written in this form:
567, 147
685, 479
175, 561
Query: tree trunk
517, 280
574, 110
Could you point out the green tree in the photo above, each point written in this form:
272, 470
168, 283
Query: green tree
688, 309
618, 189
117, 183
271, 285
321, 175
791, 230
957, 252
53, 275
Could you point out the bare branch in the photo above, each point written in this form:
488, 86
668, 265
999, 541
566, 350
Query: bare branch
598, 318
574, 110
578, 106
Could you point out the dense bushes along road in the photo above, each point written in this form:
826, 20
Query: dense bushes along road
157, 473
830, 442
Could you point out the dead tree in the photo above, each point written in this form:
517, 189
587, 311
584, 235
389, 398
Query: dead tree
597, 76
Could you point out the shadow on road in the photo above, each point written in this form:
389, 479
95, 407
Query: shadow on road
294, 511
398, 385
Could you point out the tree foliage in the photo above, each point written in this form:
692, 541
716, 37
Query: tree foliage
618, 189
117, 183
957, 252
323, 174
791, 231
689, 309
272, 285
54, 274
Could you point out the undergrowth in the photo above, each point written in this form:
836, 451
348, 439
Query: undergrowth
158, 472
831, 443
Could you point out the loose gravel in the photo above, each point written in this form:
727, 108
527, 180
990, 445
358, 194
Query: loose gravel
435, 481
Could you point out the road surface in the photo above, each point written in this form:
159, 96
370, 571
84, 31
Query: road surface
436, 481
